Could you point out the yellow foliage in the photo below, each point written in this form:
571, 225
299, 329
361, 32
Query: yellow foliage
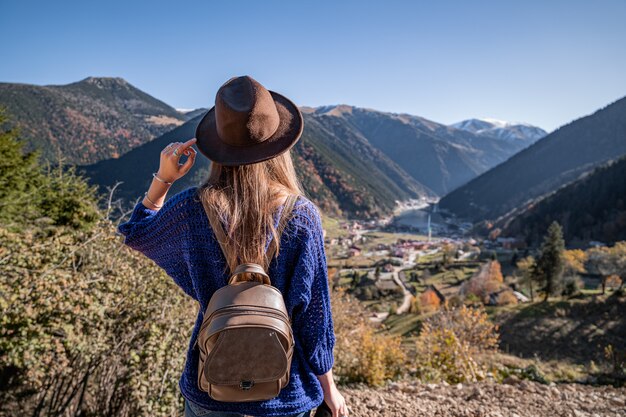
449, 343
362, 354
574, 261
495, 272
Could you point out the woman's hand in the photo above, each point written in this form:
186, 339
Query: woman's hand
170, 169
335, 401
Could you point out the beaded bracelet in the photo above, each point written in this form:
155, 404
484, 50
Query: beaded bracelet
154, 174
151, 202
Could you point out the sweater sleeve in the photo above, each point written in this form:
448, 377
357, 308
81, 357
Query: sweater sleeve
313, 321
160, 236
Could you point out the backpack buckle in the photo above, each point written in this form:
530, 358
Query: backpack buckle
246, 385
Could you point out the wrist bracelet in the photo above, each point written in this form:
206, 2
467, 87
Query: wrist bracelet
151, 202
154, 174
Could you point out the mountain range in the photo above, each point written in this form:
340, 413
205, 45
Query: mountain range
554, 161
438, 156
353, 161
343, 177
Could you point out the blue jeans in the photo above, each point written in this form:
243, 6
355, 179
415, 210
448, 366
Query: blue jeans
194, 410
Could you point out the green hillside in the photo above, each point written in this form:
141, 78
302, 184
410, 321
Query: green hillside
592, 208
344, 177
86, 121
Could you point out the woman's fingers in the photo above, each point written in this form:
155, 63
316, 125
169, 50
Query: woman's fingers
169, 149
191, 157
170, 157
189, 143
182, 149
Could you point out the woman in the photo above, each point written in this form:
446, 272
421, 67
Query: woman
247, 135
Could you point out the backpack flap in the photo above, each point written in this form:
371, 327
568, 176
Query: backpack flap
245, 356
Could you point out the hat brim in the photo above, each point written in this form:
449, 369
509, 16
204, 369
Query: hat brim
288, 132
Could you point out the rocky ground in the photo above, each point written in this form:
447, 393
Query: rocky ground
513, 398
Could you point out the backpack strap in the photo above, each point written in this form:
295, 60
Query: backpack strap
222, 238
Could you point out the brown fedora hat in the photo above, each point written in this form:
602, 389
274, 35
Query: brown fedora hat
248, 124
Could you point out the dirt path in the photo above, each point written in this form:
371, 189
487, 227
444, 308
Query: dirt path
406, 301
485, 399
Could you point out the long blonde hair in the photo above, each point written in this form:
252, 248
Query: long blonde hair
245, 198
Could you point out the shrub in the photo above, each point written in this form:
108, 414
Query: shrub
449, 343
88, 327
362, 355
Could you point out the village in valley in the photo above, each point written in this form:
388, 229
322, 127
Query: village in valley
402, 274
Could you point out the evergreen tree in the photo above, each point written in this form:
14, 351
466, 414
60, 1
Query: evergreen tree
20, 176
30, 190
549, 266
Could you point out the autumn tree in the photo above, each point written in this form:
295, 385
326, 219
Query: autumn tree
495, 272
574, 265
428, 300
486, 281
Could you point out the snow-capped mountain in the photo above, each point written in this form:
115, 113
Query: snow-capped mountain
502, 130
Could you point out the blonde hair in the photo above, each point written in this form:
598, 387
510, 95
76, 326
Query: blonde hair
245, 198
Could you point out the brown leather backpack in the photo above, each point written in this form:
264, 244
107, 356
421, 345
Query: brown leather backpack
246, 341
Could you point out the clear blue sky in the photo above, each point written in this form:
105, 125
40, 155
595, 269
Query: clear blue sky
542, 62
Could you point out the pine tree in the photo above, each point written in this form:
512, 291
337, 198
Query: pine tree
32, 189
20, 176
549, 266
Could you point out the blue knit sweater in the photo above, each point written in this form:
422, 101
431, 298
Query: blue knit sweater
179, 239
